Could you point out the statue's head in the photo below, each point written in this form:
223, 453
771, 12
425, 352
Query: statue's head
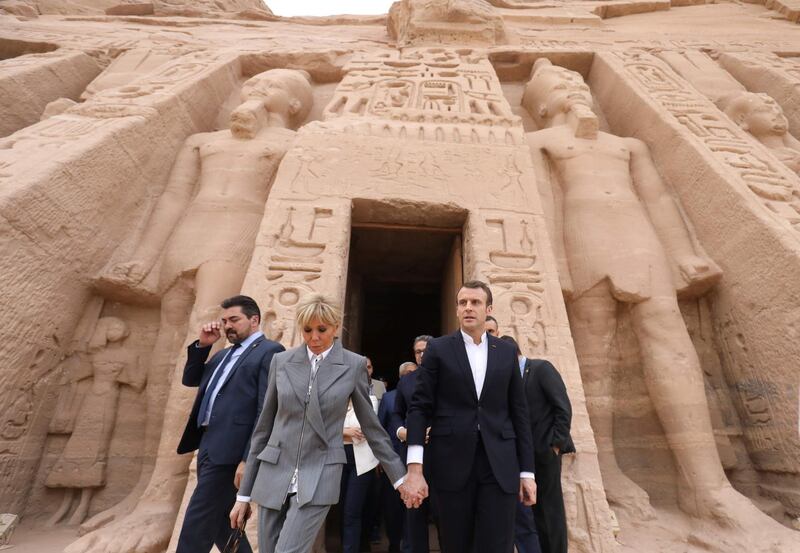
755, 113
285, 93
554, 90
108, 329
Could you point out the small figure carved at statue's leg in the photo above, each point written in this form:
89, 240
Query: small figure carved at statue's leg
83, 507
63, 509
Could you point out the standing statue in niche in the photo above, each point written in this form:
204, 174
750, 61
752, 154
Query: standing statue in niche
81, 467
625, 245
205, 223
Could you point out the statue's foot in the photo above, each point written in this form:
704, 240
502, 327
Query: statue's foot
114, 513
147, 529
625, 495
731, 510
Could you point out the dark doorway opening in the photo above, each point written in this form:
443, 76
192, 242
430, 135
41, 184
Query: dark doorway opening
400, 285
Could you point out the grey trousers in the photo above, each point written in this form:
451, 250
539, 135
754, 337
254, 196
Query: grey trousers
293, 529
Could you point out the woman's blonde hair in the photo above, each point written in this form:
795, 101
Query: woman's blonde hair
317, 306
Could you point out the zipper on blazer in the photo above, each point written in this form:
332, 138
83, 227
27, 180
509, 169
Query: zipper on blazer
296, 475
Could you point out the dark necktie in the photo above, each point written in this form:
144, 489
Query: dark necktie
204, 405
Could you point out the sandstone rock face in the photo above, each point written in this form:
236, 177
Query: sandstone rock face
624, 175
445, 21
199, 8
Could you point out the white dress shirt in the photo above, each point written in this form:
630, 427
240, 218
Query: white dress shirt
478, 355
226, 365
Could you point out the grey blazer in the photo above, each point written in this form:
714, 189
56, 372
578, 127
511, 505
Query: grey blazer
276, 441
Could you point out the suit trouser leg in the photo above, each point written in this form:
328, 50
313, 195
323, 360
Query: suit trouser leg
394, 512
481, 512
206, 521
525, 537
354, 489
549, 513
292, 529
417, 523
494, 509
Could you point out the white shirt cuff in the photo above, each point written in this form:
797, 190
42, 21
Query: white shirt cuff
399, 482
415, 453
243, 498
397, 434
526, 475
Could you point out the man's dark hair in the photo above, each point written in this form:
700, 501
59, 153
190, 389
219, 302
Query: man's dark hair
248, 305
513, 342
490, 318
483, 286
422, 338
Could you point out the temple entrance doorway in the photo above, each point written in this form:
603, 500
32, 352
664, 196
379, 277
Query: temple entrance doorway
401, 283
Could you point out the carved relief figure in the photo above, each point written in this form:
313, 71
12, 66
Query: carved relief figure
625, 245
205, 223
81, 467
762, 117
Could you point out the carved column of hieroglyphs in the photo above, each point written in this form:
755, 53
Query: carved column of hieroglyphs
766, 72
744, 205
72, 188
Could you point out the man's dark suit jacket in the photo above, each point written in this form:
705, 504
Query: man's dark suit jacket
549, 407
402, 401
445, 395
385, 411
238, 402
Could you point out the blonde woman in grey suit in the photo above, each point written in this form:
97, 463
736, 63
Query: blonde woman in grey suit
296, 453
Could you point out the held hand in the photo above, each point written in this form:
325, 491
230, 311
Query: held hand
237, 478
402, 434
239, 514
527, 491
209, 333
427, 435
353, 434
414, 489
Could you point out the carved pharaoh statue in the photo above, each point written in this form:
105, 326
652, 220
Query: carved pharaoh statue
762, 117
622, 242
81, 467
205, 223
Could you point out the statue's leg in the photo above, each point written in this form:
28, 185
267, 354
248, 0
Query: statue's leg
83, 506
593, 320
63, 509
176, 305
674, 380
148, 528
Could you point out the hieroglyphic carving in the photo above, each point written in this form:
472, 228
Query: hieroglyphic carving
430, 94
757, 400
513, 269
764, 176
297, 248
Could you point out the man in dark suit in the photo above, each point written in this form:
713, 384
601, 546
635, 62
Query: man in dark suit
417, 518
550, 416
231, 391
480, 455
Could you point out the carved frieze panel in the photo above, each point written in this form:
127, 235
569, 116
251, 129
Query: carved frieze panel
764, 176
